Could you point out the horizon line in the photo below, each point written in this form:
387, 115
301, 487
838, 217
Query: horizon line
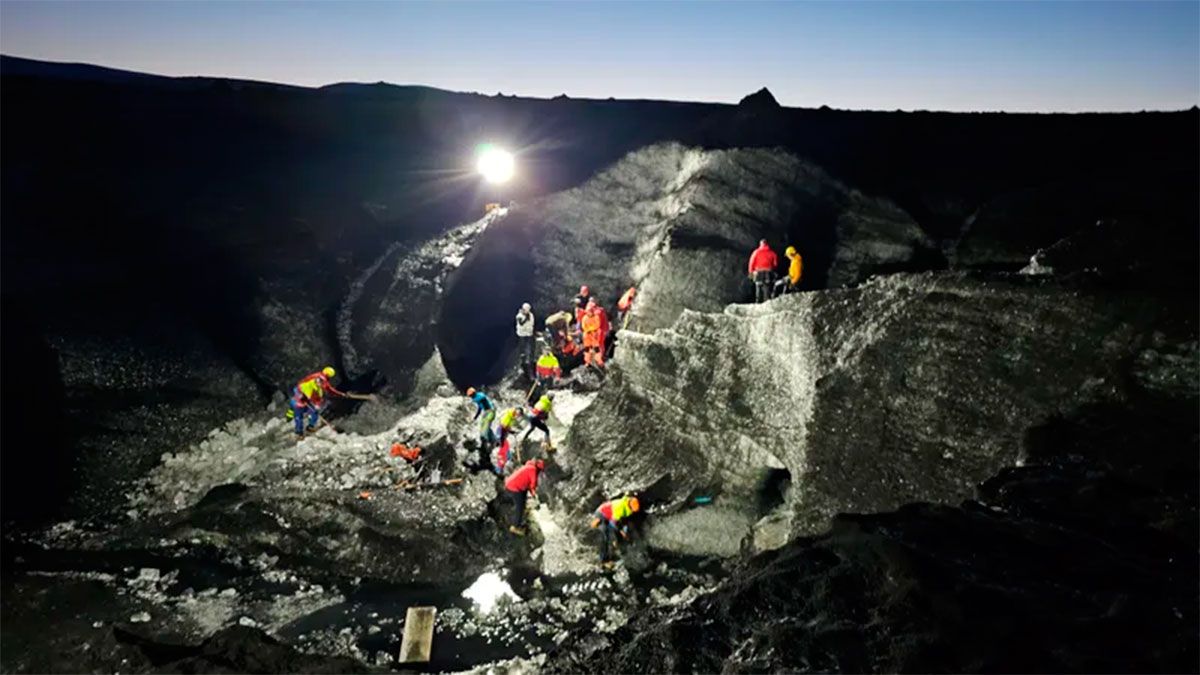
564, 95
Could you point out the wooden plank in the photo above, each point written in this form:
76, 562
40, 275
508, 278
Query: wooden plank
418, 635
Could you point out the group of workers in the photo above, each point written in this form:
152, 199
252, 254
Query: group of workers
612, 517
761, 269
584, 332
500, 435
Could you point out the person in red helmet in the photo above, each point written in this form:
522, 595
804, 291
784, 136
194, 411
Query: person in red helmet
581, 302
593, 337
762, 270
519, 486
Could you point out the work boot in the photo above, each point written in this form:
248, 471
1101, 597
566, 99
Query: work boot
519, 531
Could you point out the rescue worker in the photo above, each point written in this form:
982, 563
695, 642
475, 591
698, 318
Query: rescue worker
593, 338
790, 283
538, 416
485, 412
610, 518
762, 270
519, 486
548, 370
624, 305
581, 302
309, 399
508, 425
558, 327
525, 341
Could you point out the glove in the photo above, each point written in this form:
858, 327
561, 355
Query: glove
595, 523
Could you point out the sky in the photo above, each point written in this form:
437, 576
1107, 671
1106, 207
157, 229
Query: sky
981, 55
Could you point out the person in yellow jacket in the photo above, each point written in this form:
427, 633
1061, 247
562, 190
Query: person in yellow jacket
538, 416
509, 420
610, 518
790, 283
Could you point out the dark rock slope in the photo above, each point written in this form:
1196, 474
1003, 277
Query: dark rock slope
1084, 560
909, 388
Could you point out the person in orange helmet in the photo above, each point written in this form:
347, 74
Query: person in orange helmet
611, 517
762, 270
593, 338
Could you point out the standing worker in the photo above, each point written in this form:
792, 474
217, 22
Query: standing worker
309, 399
593, 338
610, 519
538, 416
485, 412
581, 302
525, 343
508, 425
762, 270
522, 483
624, 305
790, 283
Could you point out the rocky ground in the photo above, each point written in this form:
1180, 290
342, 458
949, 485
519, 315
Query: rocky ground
251, 551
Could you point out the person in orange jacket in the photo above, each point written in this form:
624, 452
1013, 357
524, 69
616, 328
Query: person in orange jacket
593, 338
522, 483
762, 270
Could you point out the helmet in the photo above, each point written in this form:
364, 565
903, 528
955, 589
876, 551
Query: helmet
550, 395
539, 464
329, 371
470, 391
634, 504
592, 302
791, 250
583, 290
526, 307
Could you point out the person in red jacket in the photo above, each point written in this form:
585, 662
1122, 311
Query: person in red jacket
762, 270
522, 483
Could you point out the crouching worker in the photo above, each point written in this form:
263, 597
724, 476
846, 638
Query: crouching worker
519, 486
485, 414
309, 399
508, 424
548, 370
611, 519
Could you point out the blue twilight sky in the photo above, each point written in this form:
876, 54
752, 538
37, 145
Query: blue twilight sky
1016, 56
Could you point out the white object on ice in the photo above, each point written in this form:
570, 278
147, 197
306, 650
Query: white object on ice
487, 591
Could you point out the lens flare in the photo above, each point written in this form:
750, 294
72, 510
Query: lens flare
496, 165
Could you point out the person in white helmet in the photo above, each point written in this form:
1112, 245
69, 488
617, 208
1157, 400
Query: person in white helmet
525, 342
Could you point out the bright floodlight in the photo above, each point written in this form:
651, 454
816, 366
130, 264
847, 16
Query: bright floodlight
495, 164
